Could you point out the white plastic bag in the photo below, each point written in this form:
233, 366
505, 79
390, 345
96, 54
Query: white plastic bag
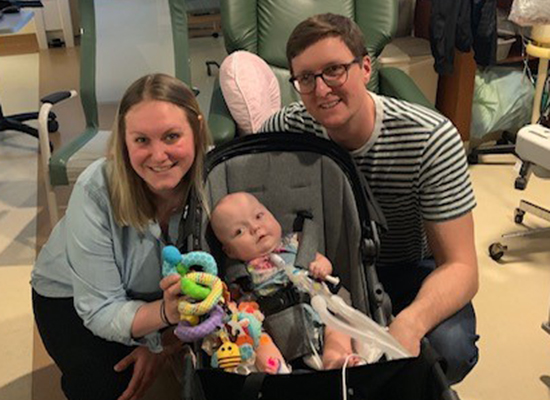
530, 12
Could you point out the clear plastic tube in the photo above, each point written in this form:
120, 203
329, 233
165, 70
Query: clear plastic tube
372, 340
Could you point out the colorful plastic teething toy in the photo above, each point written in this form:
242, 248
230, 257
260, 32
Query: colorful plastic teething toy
187, 333
205, 286
177, 263
203, 307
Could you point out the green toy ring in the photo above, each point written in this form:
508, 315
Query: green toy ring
210, 281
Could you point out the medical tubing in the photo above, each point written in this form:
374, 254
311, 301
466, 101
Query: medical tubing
347, 319
351, 314
371, 338
319, 304
364, 324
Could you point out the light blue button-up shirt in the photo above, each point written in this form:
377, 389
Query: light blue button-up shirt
109, 270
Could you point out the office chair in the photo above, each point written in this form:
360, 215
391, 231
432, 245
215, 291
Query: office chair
506, 144
13, 6
263, 27
15, 123
532, 145
121, 41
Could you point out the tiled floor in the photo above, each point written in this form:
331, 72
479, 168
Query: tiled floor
513, 297
511, 304
18, 199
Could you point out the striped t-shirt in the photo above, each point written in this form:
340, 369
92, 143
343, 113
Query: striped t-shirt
415, 165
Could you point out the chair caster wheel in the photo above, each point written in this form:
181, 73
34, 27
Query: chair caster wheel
520, 183
53, 125
473, 157
496, 250
518, 215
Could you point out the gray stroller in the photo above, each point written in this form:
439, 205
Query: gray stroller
311, 186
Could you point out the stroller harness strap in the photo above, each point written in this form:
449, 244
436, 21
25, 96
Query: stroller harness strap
284, 298
309, 241
289, 296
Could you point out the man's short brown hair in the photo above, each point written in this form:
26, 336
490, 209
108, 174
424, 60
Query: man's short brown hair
322, 26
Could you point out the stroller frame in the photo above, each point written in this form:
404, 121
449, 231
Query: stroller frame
265, 165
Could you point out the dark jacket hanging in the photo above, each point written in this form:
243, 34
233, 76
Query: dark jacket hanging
464, 24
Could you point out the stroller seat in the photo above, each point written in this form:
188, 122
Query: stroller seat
293, 175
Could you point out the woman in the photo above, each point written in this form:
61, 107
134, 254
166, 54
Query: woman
97, 300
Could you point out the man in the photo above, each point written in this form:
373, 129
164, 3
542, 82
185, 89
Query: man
415, 164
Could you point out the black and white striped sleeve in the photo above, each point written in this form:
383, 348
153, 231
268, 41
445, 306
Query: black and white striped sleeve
445, 188
292, 118
275, 123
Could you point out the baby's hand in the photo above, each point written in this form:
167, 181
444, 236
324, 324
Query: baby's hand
320, 267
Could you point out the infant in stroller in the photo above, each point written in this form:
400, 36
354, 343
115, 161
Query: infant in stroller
249, 232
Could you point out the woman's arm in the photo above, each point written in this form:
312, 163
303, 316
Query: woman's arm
159, 314
99, 282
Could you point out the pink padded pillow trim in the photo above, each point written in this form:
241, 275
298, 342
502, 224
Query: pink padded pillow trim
250, 89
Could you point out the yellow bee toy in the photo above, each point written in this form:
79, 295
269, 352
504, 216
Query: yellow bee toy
229, 355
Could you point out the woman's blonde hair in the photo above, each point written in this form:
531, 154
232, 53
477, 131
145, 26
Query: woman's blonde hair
131, 199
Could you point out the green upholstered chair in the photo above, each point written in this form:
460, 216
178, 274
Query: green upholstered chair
121, 41
263, 27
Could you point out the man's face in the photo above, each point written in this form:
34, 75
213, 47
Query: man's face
334, 107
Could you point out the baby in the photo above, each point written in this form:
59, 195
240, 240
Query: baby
249, 232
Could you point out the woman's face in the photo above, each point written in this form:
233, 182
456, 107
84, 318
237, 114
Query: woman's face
160, 144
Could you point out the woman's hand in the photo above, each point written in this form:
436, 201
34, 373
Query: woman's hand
172, 291
320, 267
147, 365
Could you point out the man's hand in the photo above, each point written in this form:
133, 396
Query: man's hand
147, 365
407, 333
320, 267
447, 289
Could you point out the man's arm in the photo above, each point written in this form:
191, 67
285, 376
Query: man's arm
446, 290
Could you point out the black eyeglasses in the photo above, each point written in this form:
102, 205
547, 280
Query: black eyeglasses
333, 76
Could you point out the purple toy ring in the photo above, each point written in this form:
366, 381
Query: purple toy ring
187, 333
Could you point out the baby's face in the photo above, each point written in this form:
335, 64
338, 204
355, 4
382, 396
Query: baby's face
245, 227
